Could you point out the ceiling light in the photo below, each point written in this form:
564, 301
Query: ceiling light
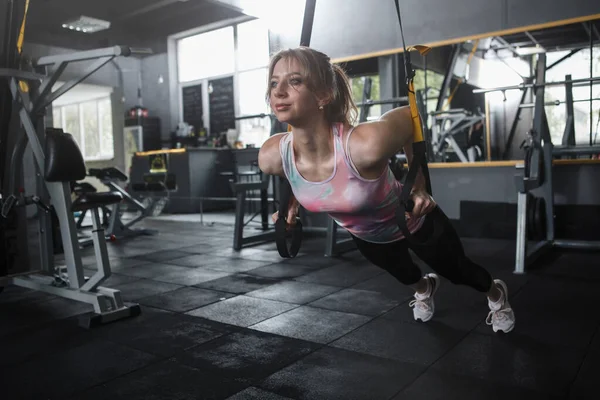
86, 24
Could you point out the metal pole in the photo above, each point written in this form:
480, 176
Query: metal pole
591, 85
307, 24
535, 85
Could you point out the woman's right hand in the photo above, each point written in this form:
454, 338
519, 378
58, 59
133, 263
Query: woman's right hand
293, 210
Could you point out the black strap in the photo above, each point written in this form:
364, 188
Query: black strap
283, 231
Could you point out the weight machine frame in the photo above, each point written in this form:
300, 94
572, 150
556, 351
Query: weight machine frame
460, 119
31, 105
536, 174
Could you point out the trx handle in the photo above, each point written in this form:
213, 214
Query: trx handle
282, 229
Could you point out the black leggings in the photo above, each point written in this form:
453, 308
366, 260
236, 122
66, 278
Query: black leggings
445, 256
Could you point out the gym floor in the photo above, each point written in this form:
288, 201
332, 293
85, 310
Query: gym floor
217, 324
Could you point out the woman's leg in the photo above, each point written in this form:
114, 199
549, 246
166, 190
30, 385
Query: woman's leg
396, 260
446, 256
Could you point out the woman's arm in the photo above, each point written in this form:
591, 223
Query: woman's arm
269, 162
372, 144
269, 158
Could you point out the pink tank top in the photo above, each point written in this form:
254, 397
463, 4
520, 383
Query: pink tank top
364, 207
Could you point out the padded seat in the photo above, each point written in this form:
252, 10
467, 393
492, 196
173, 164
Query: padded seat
87, 201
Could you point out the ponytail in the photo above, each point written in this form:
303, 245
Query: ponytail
342, 107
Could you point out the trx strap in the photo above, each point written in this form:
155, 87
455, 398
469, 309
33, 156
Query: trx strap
283, 230
419, 146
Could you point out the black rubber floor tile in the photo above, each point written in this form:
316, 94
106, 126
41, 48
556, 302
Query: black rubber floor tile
587, 385
234, 265
118, 263
354, 301
575, 298
185, 299
281, 271
60, 375
242, 310
231, 252
247, 355
31, 314
407, 342
162, 256
270, 254
577, 265
237, 283
253, 393
51, 338
341, 275
143, 288
117, 279
312, 324
545, 325
165, 380
19, 295
125, 251
163, 333
595, 344
436, 385
293, 292
315, 260
334, 374
199, 260
506, 360
190, 276
387, 285
197, 249
152, 270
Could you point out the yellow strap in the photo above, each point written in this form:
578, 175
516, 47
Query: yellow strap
22, 31
412, 100
22, 84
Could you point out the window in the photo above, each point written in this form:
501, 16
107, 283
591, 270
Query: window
206, 55
241, 51
90, 123
434, 86
253, 45
357, 83
578, 66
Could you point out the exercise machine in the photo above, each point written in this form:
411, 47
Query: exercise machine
27, 259
151, 205
533, 179
450, 123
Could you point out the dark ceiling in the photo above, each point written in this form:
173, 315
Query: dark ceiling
564, 37
136, 23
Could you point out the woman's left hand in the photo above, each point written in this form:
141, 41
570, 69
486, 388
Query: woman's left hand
424, 204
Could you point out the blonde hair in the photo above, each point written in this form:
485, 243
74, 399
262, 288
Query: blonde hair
321, 76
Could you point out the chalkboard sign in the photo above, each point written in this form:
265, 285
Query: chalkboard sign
192, 106
221, 105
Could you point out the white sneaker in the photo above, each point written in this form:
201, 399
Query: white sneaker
423, 304
501, 316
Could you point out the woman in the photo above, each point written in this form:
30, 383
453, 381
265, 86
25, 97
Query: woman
342, 170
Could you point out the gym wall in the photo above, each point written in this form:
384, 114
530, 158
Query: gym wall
155, 91
346, 28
